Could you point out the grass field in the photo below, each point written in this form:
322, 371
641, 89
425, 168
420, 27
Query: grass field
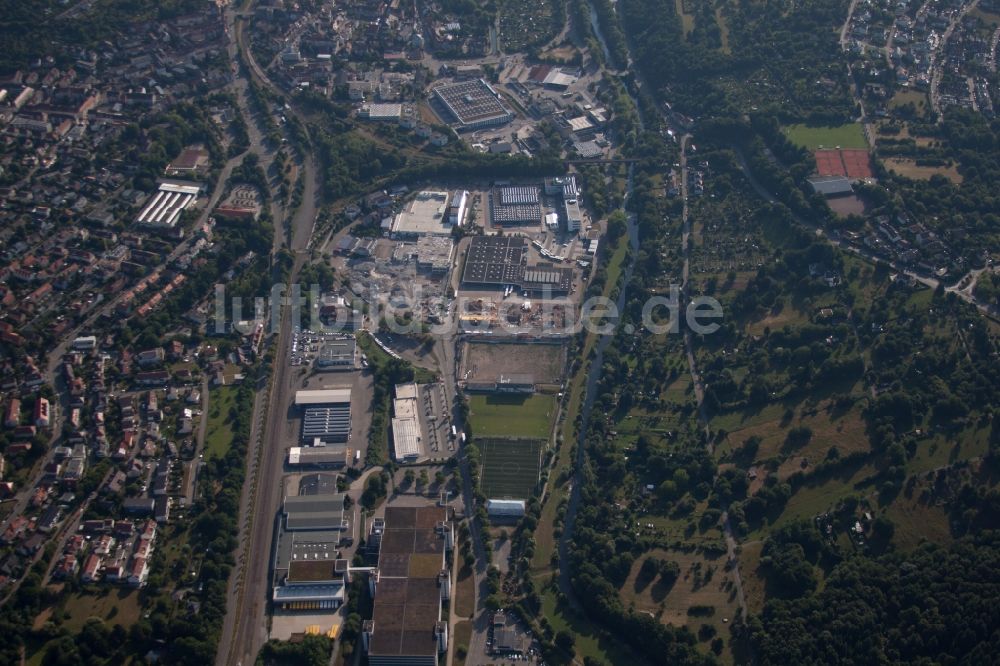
463, 635
849, 135
990, 19
845, 430
904, 133
789, 316
113, 605
910, 169
510, 467
219, 432
512, 415
917, 521
753, 582
723, 30
944, 449
687, 20
907, 96
812, 500
695, 586
465, 593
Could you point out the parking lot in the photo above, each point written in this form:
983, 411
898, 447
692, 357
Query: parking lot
436, 422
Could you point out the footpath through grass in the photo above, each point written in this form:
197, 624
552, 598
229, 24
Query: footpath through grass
544, 538
589, 642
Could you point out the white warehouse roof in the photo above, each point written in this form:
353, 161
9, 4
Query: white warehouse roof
165, 207
505, 507
323, 396
406, 437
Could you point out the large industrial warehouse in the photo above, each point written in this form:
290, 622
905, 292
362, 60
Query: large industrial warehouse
307, 575
405, 425
337, 354
516, 205
495, 262
413, 581
472, 105
318, 457
326, 416
426, 215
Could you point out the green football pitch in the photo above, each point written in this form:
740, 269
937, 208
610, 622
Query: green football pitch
508, 415
510, 467
850, 135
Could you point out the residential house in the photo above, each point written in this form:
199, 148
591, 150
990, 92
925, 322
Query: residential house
91, 569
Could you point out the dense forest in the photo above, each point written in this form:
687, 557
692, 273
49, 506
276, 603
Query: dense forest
935, 605
781, 57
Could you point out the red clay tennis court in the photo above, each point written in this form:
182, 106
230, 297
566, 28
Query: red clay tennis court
828, 163
857, 163
853, 163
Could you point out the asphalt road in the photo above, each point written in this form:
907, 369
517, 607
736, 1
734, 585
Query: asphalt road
938, 72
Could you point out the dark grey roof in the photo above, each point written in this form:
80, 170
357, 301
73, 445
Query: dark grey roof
831, 185
138, 504
314, 512
326, 423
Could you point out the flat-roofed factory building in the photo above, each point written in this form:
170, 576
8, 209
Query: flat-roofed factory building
574, 218
471, 105
381, 111
459, 207
410, 584
164, 208
496, 262
307, 574
327, 456
515, 205
405, 424
331, 396
427, 214
337, 354
547, 280
326, 415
